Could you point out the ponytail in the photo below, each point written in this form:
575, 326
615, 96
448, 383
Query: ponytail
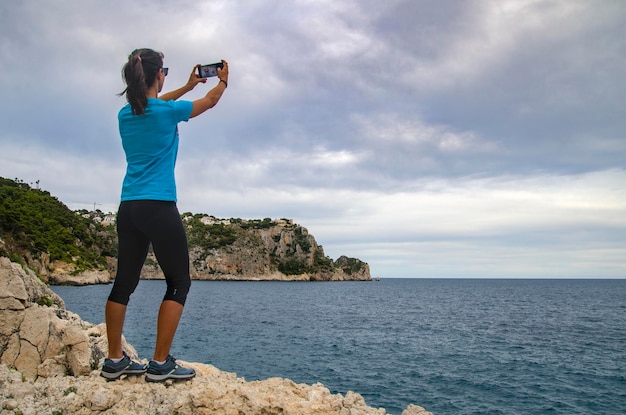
139, 73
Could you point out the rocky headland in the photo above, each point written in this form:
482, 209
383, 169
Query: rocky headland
49, 364
229, 250
258, 250
80, 247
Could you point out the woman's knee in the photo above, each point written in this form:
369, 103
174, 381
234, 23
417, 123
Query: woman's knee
177, 290
121, 293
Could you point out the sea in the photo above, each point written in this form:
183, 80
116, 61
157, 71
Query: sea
453, 346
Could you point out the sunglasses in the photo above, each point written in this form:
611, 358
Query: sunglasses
165, 70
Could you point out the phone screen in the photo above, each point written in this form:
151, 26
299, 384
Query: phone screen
207, 71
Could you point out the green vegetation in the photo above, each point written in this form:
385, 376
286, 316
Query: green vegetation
32, 221
321, 262
349, 265
254, 223
35, 225
208, 236
302, 239
45, 300
293, 266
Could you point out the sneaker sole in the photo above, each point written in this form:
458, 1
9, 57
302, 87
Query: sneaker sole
117, 375
151, 377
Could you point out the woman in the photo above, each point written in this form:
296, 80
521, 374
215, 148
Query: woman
147, 214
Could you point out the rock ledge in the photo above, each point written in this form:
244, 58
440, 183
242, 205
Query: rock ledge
49, 362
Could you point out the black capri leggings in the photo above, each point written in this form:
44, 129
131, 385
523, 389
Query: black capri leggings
139, 223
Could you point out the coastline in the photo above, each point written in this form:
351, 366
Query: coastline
50, 357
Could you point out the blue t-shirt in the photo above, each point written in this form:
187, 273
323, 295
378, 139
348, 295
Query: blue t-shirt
150, 142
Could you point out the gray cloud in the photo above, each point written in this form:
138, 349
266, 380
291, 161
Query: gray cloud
376, 124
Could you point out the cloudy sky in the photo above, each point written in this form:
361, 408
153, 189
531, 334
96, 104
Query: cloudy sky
429, 138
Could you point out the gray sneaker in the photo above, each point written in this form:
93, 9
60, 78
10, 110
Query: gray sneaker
112, 370
168, 370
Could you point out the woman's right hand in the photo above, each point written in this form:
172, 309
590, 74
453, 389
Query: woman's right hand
222, 73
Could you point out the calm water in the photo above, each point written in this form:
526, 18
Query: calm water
452, 346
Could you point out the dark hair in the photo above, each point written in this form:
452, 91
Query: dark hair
139, 73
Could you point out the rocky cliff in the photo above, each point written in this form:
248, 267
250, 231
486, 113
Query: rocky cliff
49, 362
66, 247
232, 249
236, 249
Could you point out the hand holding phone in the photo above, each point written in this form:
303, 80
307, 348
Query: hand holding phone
207, 71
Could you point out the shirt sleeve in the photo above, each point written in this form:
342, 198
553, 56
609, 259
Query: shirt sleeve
183, 110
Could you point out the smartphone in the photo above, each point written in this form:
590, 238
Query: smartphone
207, 71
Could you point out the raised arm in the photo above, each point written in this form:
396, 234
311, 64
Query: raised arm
213, 96
194, 80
